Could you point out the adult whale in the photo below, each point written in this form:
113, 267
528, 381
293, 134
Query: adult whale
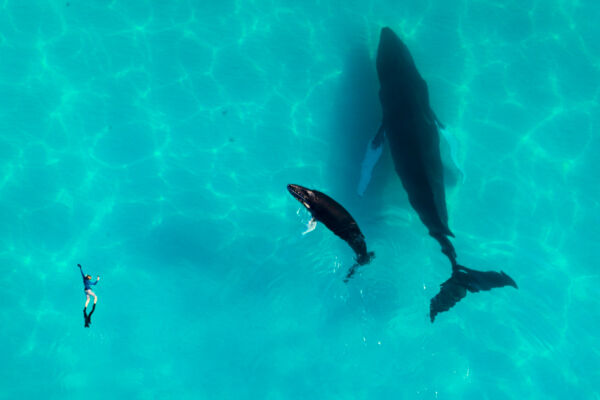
412, 129
335, 217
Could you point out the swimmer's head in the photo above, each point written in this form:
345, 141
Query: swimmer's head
88, 277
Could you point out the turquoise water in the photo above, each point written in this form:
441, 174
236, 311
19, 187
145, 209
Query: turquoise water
152, 141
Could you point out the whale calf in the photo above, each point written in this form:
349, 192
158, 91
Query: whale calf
335, 217
413, 132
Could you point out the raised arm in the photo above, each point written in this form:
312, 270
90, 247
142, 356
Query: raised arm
80, 270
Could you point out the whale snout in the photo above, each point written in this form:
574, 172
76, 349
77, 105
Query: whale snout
293, 189
301, 194
388, 40
387, 34
297, 191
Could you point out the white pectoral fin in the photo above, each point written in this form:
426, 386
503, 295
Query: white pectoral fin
449, 152
372, 155
312, 224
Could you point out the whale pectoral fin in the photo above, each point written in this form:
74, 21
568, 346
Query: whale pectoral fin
453, 173
372, 155
436, 119
312, 224
425, 105
462, 280
377, 141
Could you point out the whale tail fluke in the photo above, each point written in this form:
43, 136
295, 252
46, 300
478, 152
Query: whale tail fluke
462, 280
365, 259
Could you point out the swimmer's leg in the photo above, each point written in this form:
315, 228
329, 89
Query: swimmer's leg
87, 298
88, 317
93, 294
85, 319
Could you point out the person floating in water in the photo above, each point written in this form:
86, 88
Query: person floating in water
87, 283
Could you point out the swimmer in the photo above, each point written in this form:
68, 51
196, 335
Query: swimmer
87, 283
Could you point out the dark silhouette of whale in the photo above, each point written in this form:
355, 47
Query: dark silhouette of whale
412, 129
335, 217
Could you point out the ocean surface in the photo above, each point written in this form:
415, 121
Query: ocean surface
152, 142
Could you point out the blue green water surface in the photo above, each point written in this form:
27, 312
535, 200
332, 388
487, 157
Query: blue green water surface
152, 141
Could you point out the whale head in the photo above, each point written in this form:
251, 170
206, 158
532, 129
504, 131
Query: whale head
303, 195
394, 61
